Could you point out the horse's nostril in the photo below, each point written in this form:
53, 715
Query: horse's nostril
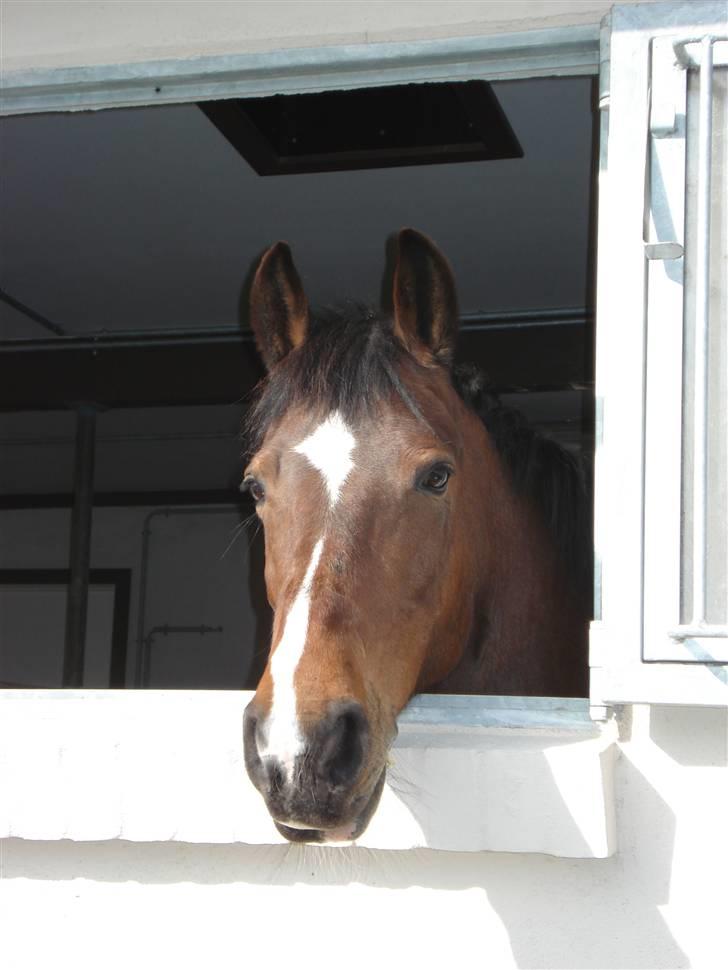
276, 778
342, 740
250, 741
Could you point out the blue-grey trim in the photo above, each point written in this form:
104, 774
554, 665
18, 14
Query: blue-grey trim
533, 53
455, 711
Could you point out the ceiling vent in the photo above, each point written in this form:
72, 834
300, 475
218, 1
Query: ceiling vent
333, 131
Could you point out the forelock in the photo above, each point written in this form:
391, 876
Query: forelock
349, 362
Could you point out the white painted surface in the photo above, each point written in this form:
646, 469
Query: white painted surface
658, 903
59, 33
466, 774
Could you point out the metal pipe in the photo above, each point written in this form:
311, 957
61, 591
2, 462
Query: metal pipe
131, 340
31, 314
80, 543
702, 314
167, 630
40, 440
701, 630
182, 337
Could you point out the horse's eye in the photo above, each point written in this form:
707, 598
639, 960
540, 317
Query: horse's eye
254, 488
435, 479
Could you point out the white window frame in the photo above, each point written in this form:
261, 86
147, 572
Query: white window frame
639, 368
674, 287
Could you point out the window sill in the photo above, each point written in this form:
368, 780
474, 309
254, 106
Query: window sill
467, 773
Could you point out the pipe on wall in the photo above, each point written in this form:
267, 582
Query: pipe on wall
80, 546
141, 666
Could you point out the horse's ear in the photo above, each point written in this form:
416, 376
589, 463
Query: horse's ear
424, 299
278, 305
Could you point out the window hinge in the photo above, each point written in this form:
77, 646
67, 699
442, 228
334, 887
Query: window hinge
664, 250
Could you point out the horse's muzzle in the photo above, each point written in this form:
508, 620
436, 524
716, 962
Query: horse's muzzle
325, 794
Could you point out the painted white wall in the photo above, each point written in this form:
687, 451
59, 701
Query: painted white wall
659, 903
62, 33
168, 765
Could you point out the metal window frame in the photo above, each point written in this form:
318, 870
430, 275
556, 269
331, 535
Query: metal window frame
524, 54
666, 638
639, 278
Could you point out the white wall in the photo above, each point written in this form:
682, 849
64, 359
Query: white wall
659, 903
60, 33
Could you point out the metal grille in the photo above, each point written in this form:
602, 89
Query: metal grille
686, 493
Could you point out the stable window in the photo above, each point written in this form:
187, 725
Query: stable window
562, 764
165, 366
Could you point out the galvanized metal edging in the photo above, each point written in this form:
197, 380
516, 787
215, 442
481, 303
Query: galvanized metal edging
534, 53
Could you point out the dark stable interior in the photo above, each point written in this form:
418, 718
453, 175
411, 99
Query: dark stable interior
128, 239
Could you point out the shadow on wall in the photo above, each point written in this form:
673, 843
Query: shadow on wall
704, 745
469, 909
548, 799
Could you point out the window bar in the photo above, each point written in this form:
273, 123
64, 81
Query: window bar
698, 625
702, 294
80, 547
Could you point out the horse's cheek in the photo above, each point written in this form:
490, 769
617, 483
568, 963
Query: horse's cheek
271, 585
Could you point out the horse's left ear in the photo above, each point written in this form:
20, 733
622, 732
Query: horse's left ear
425, 303
278, 305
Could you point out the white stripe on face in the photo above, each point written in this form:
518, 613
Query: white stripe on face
284, 740
329, 450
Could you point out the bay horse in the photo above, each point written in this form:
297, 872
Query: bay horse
409, 544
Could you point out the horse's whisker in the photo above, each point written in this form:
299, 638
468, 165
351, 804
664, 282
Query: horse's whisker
237, 532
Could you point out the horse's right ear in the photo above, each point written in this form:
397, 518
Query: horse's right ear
278, 305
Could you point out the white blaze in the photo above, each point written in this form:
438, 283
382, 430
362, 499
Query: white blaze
284, 735
328, 449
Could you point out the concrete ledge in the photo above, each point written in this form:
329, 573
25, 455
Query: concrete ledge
467, 773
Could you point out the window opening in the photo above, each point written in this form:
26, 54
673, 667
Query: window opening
154, 219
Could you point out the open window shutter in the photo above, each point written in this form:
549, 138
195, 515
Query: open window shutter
661, 627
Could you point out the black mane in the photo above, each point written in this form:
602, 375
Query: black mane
555, 481
349, 362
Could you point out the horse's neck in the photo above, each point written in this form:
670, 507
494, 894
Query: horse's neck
527, 633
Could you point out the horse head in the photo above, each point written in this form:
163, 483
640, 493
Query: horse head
363, 477
394, 544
